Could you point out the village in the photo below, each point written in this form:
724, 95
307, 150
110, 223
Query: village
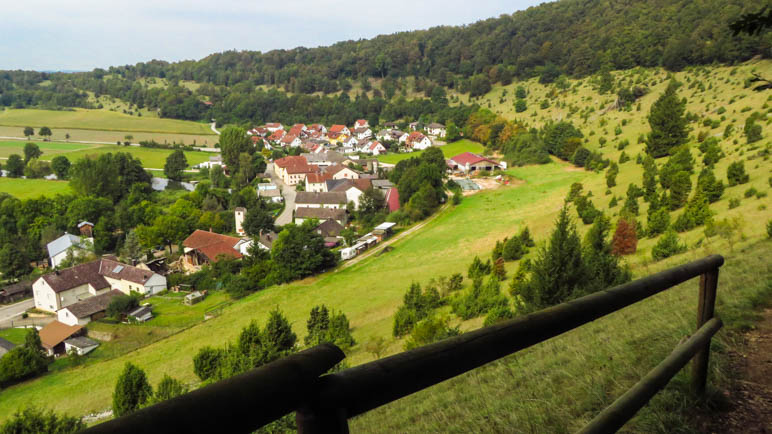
322, 178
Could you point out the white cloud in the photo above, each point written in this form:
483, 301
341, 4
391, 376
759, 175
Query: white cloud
83, 34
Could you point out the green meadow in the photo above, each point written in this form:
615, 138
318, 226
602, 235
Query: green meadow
32, 188
449, 150
85, 119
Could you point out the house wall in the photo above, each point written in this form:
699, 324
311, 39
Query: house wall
45, 297
81, 351
352, 195
346, 174
69, 318
76, 294
155, 284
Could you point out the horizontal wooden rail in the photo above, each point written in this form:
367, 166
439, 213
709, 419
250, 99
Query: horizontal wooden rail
365, 387
242, 403
625, 407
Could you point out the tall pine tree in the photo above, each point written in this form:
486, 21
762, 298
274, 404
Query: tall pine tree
668, 123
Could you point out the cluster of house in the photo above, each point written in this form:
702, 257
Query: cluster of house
360, 138
81, 294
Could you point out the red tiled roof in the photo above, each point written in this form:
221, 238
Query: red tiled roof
276, 135
337, 128
360, 122
289, 138
317, 178
415, 136
211, 244
470, 158
293, 160
272, 125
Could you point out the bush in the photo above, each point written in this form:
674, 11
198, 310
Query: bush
131, 391
34, 420
479, 299
431, 329
668, 245
734, 203
417, 305
735, 173
498, 314
750, 192
122, 304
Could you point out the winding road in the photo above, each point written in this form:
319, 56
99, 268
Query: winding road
289, 197
212, 126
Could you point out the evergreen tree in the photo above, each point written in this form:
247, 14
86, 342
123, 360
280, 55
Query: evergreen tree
696, 213
611, 175
679, 190
649, 179
600, 263
709, 185
131, 391
667, 245
525, 237
168, 388
668, 123
278, 338
736, 174
658, 221
558, 271
513, 249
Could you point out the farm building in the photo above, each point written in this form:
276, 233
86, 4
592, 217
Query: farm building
203, 247
85, 311
81, 345
53, 335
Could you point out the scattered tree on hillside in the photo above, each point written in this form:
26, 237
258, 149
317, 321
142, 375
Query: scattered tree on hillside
132, 390
325, 326
625, 240
736, 174
667, 245
29, 132
167, 389
668, 123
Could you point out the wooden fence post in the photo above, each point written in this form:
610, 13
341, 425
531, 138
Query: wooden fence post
705, 308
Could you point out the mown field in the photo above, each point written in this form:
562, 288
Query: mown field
98, 120
449, 150
14, 335
110, 137
150, 157
31, 188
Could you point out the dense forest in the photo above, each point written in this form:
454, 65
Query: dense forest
573, 37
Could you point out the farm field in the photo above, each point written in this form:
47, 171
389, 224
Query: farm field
31, 188
110, 137
449, 150
151, 157
98, 120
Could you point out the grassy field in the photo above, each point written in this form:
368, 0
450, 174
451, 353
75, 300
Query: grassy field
31, 188
150, 157
110, 137
449, 150
98, 120
14, 335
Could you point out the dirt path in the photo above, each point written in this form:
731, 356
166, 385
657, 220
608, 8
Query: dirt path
751, 395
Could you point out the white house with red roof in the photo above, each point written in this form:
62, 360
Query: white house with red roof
292, 170
363, 133
361, 123
276, 135
316, 182
470, 162
290, 140
274, 126
203, 247
318, 127
340, 129
417, 140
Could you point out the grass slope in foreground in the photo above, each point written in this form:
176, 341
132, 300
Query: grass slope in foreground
98, 120
449, 150
368, 292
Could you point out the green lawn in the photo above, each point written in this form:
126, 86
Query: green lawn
9, 147
14, 335
150, 157
449, 150
98, 120
31, 188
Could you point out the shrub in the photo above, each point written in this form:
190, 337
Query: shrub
668, 245
37, 420
750, 192
735, 174
625, 239
416, 306
431, 329
498, 314
479, 299
734, 203
131, 391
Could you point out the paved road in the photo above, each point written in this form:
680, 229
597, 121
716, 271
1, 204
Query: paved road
289, 197
14, 311
212, 126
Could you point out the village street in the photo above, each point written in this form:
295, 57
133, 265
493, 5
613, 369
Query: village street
14, 311
289, 197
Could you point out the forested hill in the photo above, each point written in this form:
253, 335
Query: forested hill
573, 37
578, 36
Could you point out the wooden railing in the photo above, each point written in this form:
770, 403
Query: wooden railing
324, 403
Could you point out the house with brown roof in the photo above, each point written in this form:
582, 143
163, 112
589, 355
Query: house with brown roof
53, 335
290, 140
62, 288
307, 199
436, 129
339, 171
85, 311
417, 140
320, 214
203, 247
316, 182
354, 188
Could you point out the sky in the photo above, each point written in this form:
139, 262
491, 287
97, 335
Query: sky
85, 34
